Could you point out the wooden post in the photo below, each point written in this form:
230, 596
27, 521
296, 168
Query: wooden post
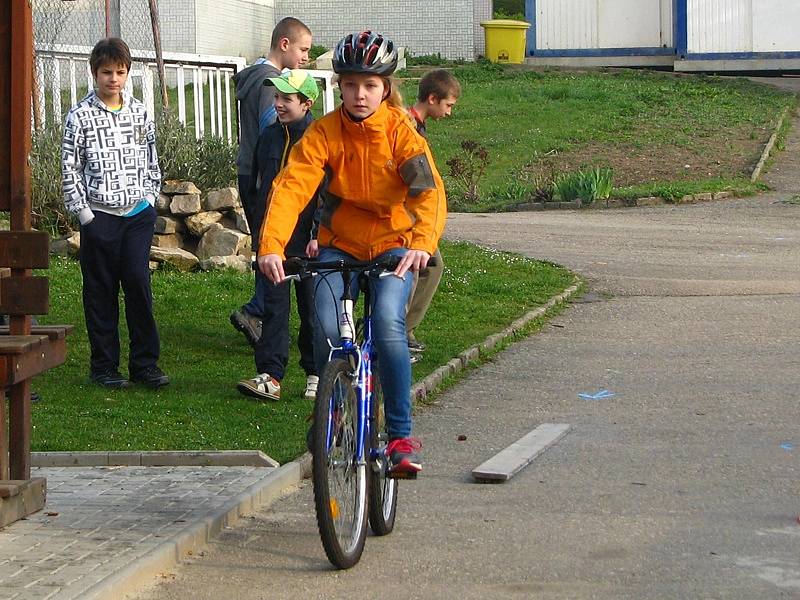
159, 55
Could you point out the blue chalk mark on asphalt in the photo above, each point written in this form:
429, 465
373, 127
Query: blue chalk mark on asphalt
601, 395
788, 446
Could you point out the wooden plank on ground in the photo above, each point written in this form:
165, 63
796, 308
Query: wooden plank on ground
509, 461
24, 249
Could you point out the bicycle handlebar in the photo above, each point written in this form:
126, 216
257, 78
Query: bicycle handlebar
305, 267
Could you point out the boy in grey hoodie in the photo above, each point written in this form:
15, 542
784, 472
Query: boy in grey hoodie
291, 41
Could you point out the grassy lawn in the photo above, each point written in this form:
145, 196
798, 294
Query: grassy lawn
481, 292
662, 134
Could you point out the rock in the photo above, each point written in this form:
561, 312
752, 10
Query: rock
218, 241
153, 264
238, 220
185, 204
722, 195
176, 186
704, 197
162, 204
198, 224
170, 240
180, 259
168, 225
238, 263
649, 201
66, 246
222, 199
687, 199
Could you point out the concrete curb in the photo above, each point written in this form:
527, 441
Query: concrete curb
166, 458
768, 148
143, 570
431, 382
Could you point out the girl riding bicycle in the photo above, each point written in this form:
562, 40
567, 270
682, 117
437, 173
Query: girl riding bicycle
384, 196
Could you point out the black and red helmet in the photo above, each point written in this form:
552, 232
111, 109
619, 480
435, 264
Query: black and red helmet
365, 52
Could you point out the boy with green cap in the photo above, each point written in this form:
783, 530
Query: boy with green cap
295, 93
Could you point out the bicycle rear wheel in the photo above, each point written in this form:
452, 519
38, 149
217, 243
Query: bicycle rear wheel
340, 483
382, 489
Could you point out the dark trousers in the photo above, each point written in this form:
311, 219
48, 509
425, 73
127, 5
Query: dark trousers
116, 250
272, 350
255, 306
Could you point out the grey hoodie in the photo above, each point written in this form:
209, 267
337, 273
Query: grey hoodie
256, 112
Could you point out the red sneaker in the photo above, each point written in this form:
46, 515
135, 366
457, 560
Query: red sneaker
403, 458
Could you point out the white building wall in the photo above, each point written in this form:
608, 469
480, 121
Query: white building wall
719, 26
178, 25
776, 24
482, 11
234, 27
595, 24
421, 26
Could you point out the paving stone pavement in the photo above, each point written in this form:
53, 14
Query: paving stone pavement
99, 520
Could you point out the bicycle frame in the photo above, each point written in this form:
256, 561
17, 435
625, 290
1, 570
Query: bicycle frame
361, 356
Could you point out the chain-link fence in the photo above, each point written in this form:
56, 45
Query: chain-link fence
64, 33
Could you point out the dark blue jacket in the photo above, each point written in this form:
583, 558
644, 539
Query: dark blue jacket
270, 156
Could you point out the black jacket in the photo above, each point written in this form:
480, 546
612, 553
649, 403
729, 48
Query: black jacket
269, 157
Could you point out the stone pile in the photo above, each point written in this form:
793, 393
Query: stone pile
192, 230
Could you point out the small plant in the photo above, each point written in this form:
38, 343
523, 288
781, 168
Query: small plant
589, 185
47, 210
568, 186
596, 184
467, 169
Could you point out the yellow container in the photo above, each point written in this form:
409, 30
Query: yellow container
505, 40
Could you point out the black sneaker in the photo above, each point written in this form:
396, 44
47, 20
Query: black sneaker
152, 377
111, 379
248, 324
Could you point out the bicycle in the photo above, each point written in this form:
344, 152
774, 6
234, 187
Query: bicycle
351, 472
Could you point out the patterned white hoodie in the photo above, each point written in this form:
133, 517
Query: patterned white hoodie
108, 159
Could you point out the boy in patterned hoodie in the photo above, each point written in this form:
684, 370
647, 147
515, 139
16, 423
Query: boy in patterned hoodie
111, 179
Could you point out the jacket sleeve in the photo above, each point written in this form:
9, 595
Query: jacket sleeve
152, 180
426, 199
73, 160
266, 108
293, 189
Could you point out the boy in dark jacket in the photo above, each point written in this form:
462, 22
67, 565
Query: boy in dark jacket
295, 93
291, 41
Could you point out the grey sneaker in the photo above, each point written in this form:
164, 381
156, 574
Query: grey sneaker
248, 324
263, 386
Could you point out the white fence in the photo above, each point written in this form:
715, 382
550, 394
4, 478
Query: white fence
62, 68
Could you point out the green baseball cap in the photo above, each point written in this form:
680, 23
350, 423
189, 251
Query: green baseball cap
295, 81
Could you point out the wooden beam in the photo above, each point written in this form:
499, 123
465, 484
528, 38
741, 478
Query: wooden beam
19, 428
24, 249
24, 296
5, 104
20, 74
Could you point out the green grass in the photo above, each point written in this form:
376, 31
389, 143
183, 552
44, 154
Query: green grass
525, 118
481, 292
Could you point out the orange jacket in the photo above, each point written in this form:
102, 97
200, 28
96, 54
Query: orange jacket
383, 189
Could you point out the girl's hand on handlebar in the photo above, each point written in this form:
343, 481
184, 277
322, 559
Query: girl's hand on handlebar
271, 265
414, 260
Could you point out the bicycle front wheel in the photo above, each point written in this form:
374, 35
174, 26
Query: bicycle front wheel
340, 482
382, 489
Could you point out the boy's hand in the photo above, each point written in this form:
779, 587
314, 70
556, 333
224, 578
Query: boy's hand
312, 249
271, 265
413, 260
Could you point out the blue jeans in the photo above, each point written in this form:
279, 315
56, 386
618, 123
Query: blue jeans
389, 299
